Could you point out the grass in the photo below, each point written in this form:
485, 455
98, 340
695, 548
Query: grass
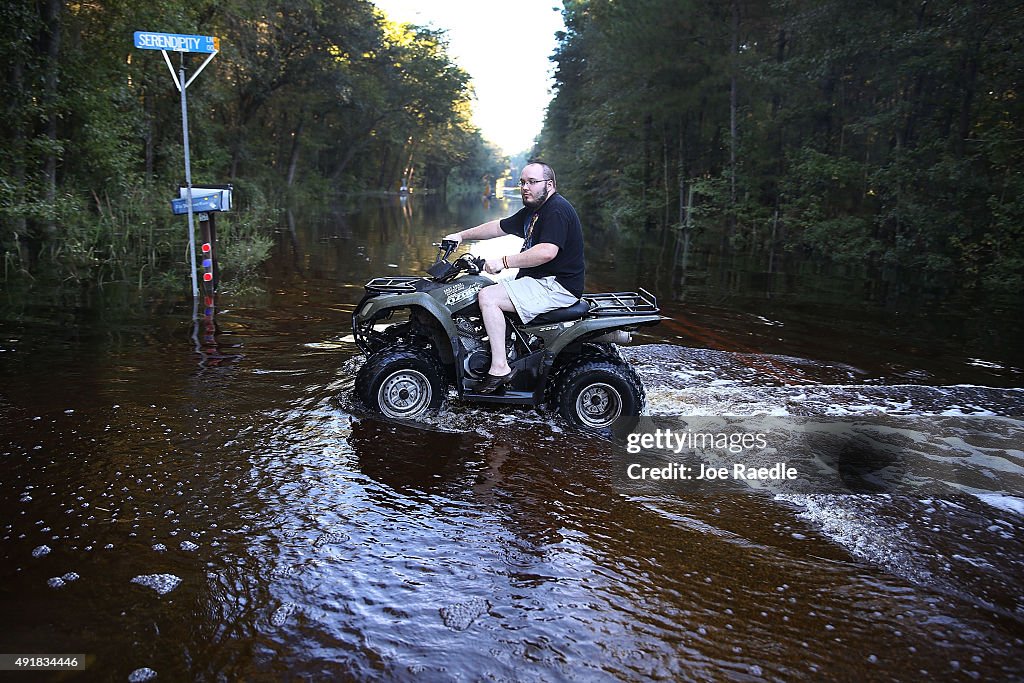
133, 239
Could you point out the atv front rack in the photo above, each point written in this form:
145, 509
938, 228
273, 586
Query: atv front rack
622, 303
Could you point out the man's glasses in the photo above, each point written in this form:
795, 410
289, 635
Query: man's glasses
524, 183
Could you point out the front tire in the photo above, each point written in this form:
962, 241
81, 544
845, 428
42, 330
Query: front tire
401, 384
599, 395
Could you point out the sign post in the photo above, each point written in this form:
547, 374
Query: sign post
181, 43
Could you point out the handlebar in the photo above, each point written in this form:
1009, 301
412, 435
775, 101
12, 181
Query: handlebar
442, 268
471, 264
477, 261
445, 249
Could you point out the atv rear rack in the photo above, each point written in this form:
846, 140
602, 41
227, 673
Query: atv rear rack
622, 303
405, 283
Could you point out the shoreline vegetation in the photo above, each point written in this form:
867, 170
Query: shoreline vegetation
304, 101
136, 241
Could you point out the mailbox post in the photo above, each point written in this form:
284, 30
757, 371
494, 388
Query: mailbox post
181, 44
207, 201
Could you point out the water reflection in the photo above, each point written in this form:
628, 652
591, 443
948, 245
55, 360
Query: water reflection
411, 457
206, 336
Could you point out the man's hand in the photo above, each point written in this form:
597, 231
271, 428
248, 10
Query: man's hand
454, 237
493, 265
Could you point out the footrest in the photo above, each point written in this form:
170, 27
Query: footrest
508, 396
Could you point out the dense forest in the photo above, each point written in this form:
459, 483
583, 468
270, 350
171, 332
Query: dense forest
883, 132
888, 132
305, 97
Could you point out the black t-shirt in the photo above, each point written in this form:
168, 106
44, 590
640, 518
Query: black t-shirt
558, 224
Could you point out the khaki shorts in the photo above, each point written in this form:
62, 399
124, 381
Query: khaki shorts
531, 296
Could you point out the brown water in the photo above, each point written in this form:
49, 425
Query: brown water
302, 538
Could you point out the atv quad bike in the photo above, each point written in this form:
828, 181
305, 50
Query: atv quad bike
424, 334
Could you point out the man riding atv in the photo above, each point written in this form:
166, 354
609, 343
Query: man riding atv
551, 265
537, 340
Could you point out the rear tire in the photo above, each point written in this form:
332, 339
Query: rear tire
401, 383
600, 396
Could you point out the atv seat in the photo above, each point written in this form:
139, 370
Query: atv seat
560, 315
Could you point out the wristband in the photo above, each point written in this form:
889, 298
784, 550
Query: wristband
504, 261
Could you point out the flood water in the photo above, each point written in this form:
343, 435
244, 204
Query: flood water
209, 502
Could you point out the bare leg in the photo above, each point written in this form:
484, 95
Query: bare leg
494, 303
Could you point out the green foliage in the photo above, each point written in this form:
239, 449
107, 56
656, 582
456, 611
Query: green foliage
879, 131
305, 99
242, 238
820, 198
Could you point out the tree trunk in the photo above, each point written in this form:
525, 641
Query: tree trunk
361, 138
149, 151
646, 176
410, 171
51, 20
780, 57
681, 174
780, 141
407, 167
735, 51
20, 140
350, 153
382, 167
293, 157
969, 82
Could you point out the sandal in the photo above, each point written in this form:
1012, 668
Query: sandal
492, 383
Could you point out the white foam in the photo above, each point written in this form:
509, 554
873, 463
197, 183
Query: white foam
978, 362
161, 583
852, 522
1002, 502
141, 675
281, 614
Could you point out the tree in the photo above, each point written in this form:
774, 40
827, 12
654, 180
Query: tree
324, 94
874, 130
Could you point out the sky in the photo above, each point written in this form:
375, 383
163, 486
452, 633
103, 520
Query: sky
505, 49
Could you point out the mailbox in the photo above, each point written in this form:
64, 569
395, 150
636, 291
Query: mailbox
204, 198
